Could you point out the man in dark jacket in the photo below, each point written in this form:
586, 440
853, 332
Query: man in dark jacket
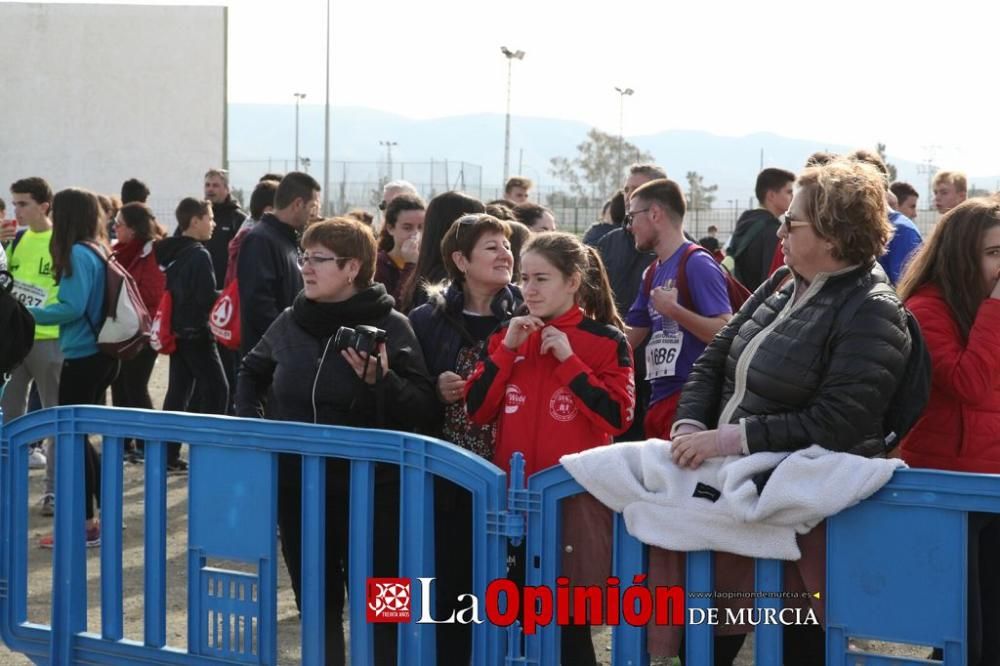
268, 268
197, 380
755, 237
228, 219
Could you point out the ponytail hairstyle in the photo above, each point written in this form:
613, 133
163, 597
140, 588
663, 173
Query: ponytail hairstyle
139, 218
571, 257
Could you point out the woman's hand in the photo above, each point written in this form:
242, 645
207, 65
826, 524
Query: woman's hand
555, 342
451, 387
410, 250
691, 450
519, 330
364, 368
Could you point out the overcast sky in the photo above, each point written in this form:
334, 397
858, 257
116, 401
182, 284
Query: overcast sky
917, 76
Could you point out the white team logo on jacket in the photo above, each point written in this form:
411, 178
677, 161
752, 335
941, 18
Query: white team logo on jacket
562, 405
515, 398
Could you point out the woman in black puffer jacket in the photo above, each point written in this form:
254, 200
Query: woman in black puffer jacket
311, 381
813, 357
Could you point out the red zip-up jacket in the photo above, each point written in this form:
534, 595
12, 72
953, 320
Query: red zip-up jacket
546, 409
960, 427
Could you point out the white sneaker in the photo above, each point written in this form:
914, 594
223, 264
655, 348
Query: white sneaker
36, 460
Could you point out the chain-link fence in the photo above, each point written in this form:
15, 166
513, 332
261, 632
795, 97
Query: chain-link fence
359, 184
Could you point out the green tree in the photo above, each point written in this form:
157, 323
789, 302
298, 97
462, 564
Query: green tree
890, 167
700, 196
591, 175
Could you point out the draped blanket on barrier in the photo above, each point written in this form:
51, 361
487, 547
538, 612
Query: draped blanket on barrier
718, 506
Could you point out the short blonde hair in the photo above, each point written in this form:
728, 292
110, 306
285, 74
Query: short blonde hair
517, 181
845, 202
956, 178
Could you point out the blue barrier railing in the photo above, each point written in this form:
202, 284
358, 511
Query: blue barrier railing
232, 497
896, 563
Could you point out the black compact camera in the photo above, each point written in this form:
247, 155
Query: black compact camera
363, 339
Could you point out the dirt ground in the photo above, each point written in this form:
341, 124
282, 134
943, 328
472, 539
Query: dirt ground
289, 637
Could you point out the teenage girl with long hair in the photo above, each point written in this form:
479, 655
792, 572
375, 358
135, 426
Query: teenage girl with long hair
78, 265
558, 380
952, 286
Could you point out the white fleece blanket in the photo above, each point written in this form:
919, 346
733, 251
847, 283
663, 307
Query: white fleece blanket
670, 507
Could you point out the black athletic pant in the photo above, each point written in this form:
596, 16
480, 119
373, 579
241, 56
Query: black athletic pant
385, 558
131, 387
83, 382
197, 383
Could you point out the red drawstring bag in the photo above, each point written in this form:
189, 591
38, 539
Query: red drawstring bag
161, 334
224, 317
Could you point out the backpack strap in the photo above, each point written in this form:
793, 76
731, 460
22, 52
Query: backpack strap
17, 239
647, 279
683, 290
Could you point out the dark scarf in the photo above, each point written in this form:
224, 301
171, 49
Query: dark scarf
321, 320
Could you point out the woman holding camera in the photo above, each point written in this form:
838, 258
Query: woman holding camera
452, 328
318, 373
559, 380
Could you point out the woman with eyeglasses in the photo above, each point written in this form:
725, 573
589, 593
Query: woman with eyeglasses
554, 380
952, 286
136, 230
441, 213
795, 368
452, 328
307, 378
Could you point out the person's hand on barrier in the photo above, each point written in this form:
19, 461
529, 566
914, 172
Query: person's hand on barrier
364, 368
693, 449
451, 387
519, 329
555, 342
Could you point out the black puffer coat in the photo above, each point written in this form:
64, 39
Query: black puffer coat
793, 374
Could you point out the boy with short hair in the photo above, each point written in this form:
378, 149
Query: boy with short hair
197, 380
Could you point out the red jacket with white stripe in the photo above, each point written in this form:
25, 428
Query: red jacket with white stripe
546, 409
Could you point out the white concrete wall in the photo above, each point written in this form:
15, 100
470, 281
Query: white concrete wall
91, 95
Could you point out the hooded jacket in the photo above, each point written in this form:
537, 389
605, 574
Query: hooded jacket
546, 409
791, 374
191, 283
139, 260
311, 382
439, 326
960, 427
752, 246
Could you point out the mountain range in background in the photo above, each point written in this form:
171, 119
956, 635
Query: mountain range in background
262, 138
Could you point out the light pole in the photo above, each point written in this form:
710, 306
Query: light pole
388, 155
298, 98
510, 55
621, 127
326, 122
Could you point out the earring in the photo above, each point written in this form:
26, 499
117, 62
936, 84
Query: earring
350, 279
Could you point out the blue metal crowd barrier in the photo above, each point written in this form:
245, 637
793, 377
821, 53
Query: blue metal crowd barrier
896, 563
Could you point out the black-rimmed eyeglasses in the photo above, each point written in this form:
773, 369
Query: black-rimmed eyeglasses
318, 260
630, 216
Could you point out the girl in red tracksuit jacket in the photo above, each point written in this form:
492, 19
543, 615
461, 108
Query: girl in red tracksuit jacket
952, 286
559, 380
